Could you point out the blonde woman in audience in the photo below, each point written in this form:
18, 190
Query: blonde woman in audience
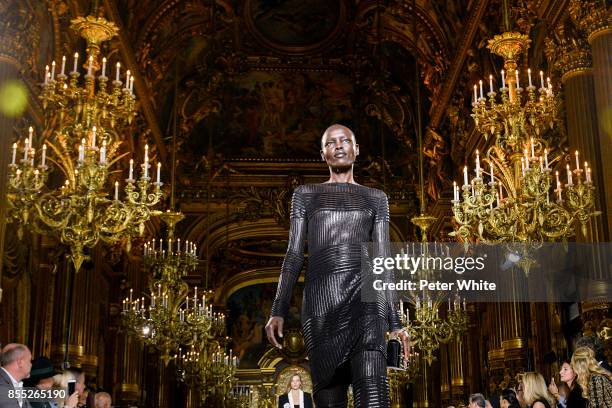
596, 382
535, 392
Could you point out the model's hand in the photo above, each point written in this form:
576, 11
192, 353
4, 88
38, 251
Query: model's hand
405, 339
275, 324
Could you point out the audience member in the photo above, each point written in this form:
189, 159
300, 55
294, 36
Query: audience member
569, 392
595, 381
15, 366
508, 399
103, 400
61, 381
477, 401
594, 344
41, 377
535, 392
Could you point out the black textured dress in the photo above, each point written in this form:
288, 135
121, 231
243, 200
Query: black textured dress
336, 218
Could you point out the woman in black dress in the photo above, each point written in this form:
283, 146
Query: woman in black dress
295, 397
574, 398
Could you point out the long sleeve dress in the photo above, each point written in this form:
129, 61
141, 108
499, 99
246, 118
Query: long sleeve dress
336, 219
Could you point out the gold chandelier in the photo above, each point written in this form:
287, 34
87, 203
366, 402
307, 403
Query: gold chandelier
514, 202
171, 316
84, 125
427, 329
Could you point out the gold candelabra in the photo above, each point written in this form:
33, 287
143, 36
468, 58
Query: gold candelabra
172, 317
517, 204
241, 396
209, 368
427, 329
84, 122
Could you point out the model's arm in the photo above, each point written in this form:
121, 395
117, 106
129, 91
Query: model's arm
380, 235
294, 258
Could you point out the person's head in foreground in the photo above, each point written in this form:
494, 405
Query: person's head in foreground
508, 399
16, 359
295, 382
102, 400
477, 401
535, 390
41, 374
339, 148
585, 365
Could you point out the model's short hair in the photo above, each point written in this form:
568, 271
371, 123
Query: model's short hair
338, 125
11, 353
479, 399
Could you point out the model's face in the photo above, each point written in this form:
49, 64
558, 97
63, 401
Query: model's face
296, 383
567, 374
338, 148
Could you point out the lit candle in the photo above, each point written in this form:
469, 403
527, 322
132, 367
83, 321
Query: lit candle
82, 149
465, 176
103, 152
541, 164
132, 84
490, 86
546, 158
116, 191
569, 176
526, 159
53, 70
481, 94
517, 79
401, 306
90, 65
523, 166
146, 153
14, 153
30, 135
131, 291
455, 191
475, 94
63, 65
146, 162
532, 148
559, 199
503, 75
529, 75
127, 79
44, 155
492, 175
104, 67
588, 175
131, 177
76, 61
542, 79
46, 74
477, 164
557, 175
93, 137
577, 161
118, 71
25, 150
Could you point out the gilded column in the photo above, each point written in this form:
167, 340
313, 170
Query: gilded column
594, 17
572, 59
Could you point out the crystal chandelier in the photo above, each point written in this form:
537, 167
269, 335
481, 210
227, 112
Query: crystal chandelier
84, 125
514, 202
427, 329
171, 316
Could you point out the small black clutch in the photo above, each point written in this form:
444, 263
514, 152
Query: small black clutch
394, 353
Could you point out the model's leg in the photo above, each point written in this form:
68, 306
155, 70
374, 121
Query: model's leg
370, 383
334, 395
